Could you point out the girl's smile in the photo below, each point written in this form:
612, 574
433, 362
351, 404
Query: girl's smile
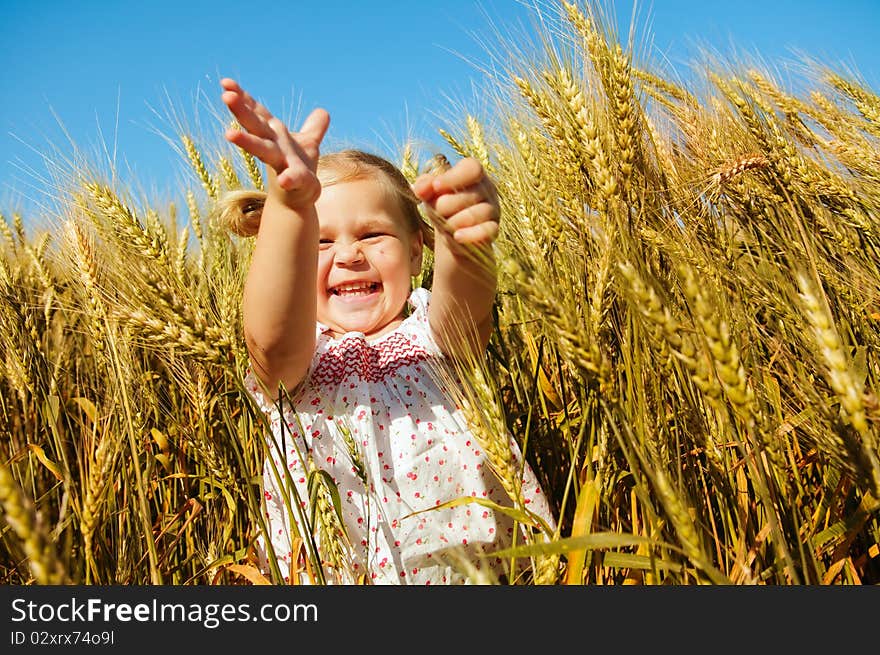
355, 289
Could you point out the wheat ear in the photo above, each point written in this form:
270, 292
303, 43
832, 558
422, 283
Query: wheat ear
25, 522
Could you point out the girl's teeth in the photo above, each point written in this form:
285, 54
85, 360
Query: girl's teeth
354, 289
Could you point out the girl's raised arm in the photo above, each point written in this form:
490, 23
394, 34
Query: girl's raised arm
279, 304
465, 202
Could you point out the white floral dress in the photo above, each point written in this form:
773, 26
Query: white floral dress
372, 416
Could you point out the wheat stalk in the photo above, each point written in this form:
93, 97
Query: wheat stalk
99, 477
125, 224
195, 158
327, 521
841, 379
27, 525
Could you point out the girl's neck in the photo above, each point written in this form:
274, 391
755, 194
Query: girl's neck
337, 333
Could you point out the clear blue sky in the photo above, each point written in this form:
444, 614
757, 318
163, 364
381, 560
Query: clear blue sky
110, 70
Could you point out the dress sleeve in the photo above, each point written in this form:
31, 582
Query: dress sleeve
256, 390
417, 322
269, 402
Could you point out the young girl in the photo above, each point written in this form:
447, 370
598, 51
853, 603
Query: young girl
344, 358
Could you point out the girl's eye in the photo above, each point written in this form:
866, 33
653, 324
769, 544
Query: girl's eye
373, 235
323, 244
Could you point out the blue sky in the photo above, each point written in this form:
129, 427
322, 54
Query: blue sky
112, 72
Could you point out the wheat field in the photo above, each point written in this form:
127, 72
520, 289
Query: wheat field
685, 346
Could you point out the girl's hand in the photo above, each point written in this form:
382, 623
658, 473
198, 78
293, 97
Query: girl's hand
292, 155
465, 198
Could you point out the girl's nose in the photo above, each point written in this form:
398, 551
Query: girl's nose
349, 253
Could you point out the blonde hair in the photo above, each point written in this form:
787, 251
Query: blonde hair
240, 211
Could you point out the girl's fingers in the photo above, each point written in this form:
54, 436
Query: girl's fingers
466, 198
473, 216
300, 149
252, 115
450, 204
292, 160
315, 126
230, 84
477, 234
423, 187
293, 156
458, 188
296, 171
466, 173
266, 150
261, 110
301, 180
245, 114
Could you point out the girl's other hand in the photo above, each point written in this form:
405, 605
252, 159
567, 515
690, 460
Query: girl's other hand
292, 155
465, 198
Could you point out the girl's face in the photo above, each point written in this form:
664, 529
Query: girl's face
366, 258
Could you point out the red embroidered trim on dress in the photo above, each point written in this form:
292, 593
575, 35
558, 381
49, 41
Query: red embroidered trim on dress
370, 362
